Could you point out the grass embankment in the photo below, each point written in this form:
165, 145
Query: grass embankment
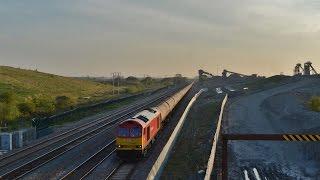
314, 103
28, 84
192, 150
25, 94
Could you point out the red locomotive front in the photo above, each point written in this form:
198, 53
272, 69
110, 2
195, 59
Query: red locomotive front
135, 135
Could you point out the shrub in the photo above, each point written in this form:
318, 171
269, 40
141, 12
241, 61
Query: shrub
63, 102
8, 112
133, 89
44, 106
8, 108
147, 81
132, 79
314, 103
27, 108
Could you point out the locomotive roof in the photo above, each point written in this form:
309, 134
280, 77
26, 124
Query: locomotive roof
146, 115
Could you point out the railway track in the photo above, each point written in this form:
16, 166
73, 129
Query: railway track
121, 172
85, 168
71, 139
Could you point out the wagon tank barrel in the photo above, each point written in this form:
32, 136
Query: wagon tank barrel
169, 104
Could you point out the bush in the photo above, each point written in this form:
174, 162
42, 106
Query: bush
27, 108
8, 112
8, 108
63, 102
132, 79
44, 106
147, 81
133, 89
314, 103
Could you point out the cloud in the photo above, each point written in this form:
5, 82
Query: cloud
125, 34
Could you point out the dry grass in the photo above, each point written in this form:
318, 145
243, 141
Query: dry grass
314, 103
192, 149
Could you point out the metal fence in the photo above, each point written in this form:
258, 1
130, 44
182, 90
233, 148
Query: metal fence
16, 139
44, 123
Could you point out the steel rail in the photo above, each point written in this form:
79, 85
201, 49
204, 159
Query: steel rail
86, 167
43, 159
123, 175
114, 170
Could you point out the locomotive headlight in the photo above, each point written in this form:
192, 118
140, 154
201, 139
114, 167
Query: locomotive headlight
139, 146
119, 146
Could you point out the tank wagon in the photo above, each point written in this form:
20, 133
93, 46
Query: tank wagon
136, 135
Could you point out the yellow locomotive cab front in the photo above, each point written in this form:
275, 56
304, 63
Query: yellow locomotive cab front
124, 143
129, 140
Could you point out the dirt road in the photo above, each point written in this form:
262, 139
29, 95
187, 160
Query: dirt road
278, 110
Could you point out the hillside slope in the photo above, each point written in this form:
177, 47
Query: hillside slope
29, 83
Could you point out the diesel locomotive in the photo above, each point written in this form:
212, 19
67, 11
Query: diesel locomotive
135, 136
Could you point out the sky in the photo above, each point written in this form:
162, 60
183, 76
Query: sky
159, 38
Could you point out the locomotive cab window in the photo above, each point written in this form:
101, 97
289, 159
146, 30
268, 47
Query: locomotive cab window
123, 132
135, 132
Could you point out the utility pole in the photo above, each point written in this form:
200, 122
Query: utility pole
116, 77
119, 74
112, 74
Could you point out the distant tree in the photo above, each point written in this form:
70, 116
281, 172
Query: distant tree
178, 79
63, 102
167, 81
133, 89
8, 112
132, 79
8, 108
147, 81
27, 108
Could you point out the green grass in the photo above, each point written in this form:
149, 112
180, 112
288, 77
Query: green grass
28, 83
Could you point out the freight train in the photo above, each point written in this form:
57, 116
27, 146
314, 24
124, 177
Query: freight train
135, 136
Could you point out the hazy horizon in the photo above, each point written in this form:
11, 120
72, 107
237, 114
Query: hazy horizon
159, 38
